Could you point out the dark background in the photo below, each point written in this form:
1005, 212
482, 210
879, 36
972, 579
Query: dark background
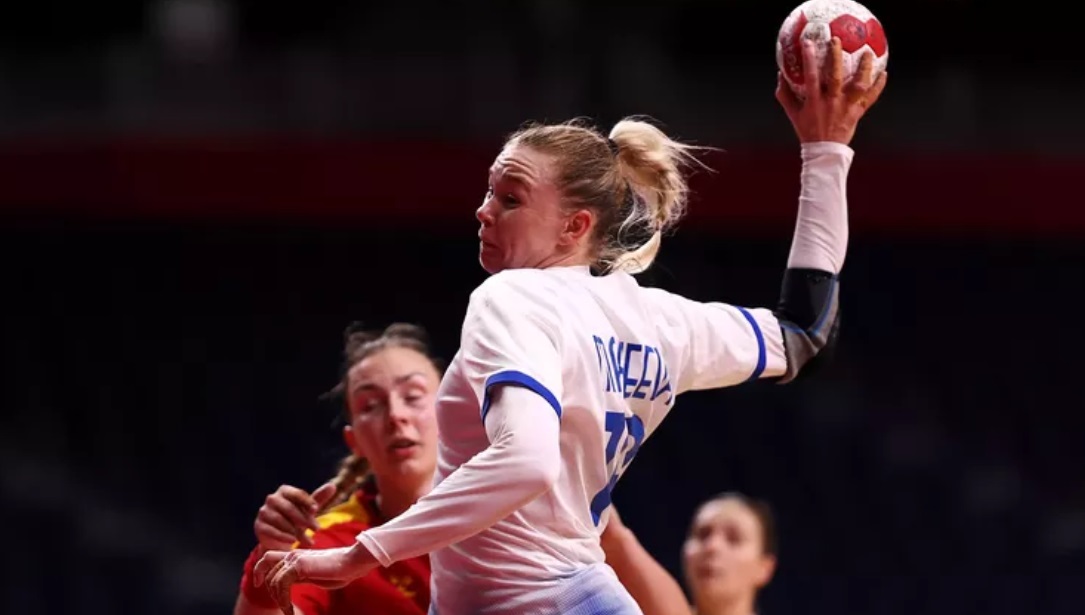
197, 196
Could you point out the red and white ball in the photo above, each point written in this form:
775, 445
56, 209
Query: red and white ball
819, 21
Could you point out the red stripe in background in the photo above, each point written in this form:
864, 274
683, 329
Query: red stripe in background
441, 183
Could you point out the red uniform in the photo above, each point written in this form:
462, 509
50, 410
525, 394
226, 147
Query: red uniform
400, 589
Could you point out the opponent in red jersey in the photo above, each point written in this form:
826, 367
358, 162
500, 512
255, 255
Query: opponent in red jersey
389, 387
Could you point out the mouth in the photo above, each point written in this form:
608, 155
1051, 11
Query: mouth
403, 447
709, 571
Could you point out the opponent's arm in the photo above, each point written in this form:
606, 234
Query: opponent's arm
285, 521
252, 600
244, 607
652, 587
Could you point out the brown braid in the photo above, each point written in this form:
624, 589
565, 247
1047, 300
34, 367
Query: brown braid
353, 470
358, 345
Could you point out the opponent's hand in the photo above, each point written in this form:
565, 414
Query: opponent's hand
287, 513
833, 106
327, 568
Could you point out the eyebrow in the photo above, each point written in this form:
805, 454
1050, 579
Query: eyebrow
369, 386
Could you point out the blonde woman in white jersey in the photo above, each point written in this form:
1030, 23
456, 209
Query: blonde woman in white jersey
562, 374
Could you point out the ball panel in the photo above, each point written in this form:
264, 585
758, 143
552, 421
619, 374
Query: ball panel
855, 34
789, 49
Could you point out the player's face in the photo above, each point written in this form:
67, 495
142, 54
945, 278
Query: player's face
723, 555
523, 222
392, 400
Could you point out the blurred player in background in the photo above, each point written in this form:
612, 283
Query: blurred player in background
566, 364
389, 391
729, 554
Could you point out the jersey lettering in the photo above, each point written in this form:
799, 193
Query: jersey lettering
635, 370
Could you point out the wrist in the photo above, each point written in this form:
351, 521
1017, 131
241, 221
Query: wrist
360, 558
816, 148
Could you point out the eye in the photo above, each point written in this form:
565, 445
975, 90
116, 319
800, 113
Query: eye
735, 537
370, 405
507, 199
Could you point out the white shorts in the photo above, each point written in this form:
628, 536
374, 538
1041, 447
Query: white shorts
592, 591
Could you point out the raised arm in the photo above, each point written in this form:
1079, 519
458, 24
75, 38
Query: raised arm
825, 122
728, 344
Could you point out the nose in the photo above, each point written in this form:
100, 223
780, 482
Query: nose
714, 543
397, 411
484, 215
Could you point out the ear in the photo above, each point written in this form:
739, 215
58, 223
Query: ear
765, 571
578, 226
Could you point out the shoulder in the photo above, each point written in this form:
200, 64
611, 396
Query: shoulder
354, 510
512, 284
516, 294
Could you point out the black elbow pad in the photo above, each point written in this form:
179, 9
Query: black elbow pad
809, 315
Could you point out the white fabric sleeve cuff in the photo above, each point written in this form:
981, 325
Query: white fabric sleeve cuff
772, 359
821, 230
522, 462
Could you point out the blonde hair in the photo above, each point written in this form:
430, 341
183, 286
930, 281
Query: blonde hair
634, 180
358, 344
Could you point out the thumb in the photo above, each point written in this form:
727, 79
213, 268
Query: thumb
324, 494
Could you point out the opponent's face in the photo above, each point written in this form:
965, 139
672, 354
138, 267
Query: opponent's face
524, 224
392, 401
724, 556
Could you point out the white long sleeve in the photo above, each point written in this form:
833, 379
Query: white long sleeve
821, 230
522, 462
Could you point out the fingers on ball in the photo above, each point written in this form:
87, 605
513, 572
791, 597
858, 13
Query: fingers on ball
810, 67
835, 67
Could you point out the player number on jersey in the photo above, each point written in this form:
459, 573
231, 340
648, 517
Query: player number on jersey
624, 436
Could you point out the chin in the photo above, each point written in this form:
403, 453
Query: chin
490, 267
411, 465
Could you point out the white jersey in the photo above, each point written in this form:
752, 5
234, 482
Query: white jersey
597, 363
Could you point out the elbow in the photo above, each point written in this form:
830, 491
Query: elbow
807, 350
545, 472
809, 315
549, 477
538, 467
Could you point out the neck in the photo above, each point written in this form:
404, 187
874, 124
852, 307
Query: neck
725, 606
570, 259
393, 499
